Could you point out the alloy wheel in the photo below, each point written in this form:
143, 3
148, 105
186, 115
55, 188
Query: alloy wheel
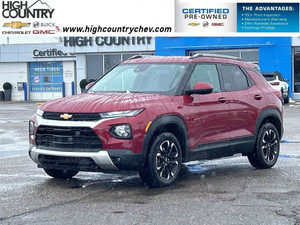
167, 160
269, 145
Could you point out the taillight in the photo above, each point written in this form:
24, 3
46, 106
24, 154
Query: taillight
274, 83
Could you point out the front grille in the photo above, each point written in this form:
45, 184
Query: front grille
70, 163
69, 139
75, 116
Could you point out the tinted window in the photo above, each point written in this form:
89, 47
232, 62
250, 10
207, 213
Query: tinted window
269, 77
205, 73
234, 78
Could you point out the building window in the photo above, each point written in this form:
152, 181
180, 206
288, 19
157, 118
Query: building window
297, 71
110, 61
98, 64
94, 66
248, 55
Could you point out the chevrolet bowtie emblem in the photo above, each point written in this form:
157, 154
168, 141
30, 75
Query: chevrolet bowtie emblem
65, 116
16, 25
194, 24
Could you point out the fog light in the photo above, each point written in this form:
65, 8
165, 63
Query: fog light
31, 127
121, 131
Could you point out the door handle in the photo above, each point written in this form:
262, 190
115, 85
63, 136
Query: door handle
257, 97
222, 100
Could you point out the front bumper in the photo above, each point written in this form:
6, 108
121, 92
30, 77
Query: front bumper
103, 161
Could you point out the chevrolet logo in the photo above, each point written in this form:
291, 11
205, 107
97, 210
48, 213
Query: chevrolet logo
65, 116
193, 24
16, 25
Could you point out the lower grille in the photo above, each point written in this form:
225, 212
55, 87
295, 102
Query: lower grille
77, 139
69, 163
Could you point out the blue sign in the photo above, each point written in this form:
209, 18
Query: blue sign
46, 76
267, 17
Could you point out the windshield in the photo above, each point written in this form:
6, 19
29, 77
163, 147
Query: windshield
145, 78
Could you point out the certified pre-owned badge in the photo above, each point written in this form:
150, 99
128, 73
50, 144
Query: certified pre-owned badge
16, 25
65, 116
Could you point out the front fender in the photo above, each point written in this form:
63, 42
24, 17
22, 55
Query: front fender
164, 123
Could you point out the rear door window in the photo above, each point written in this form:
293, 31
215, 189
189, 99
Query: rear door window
234, 78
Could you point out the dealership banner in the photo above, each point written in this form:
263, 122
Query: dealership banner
36, 18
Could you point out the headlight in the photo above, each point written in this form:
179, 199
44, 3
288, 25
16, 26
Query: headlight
122, 131
39, 112
120, 113
31, 127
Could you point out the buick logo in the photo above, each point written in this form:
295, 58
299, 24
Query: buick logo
205, 24
36, 24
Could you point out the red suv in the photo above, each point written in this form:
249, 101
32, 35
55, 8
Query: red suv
151, 114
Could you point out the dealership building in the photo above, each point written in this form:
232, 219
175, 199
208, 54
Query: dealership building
40, 72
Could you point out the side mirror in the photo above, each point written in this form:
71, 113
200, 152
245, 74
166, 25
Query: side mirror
89, 85
200, 88
286, 80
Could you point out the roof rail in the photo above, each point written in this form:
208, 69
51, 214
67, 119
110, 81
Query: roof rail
198, 55
135, 57
143, 56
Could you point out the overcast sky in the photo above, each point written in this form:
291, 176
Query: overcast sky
28, 40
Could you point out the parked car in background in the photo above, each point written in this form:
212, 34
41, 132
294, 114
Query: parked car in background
276, 80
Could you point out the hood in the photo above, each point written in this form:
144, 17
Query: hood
104, 102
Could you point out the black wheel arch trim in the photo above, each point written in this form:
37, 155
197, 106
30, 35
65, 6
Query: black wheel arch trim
163, 121
271, 112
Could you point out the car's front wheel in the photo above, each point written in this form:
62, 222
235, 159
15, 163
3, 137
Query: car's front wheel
163, 162
60, 174
267, 147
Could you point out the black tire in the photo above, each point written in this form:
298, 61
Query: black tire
267, 147
60, 174
287, 99
163, 162
253, 161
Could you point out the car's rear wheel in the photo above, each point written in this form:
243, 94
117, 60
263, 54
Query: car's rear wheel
267, 147
282, 98
287, 98
163, 162
60, 174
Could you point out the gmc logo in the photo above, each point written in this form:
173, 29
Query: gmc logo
43, 31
